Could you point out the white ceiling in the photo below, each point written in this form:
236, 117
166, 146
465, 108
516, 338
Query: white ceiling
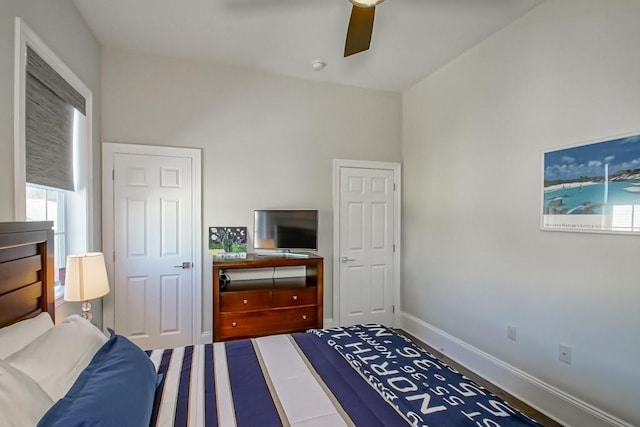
411, 38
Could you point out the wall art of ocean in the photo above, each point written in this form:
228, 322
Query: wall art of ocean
590, 198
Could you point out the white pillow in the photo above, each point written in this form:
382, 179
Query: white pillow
18, 335
56, 358
22, 401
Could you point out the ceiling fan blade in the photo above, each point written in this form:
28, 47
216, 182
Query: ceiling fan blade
360, 30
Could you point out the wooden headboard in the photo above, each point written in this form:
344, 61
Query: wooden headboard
26, 271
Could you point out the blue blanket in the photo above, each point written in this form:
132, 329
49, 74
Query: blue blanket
421, 387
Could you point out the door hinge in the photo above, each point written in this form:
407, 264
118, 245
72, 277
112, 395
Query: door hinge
393, 308
394, 247
114, 256
113, 174
394, 186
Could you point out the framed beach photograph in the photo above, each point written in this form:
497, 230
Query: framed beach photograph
593, 187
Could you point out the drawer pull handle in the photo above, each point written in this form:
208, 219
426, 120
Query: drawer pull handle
295, 297
234, 324
304, 317
245, 301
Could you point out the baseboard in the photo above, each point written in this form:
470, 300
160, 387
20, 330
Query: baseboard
327, 322
206, 337
553, 402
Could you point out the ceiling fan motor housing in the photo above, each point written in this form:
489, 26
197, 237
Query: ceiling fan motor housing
366, 3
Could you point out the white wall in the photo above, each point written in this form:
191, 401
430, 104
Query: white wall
475, 259
63, 30
267, 141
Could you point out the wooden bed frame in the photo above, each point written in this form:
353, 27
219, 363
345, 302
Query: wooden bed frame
26, 271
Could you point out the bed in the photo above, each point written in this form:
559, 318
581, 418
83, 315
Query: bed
363, 375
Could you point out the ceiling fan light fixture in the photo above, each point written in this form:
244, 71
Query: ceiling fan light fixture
366, 3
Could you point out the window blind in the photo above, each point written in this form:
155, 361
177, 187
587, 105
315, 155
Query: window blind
49, 110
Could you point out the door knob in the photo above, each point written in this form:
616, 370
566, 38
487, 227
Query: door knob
185, 265
345, 259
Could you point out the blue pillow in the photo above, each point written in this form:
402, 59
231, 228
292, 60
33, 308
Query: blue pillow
116, 389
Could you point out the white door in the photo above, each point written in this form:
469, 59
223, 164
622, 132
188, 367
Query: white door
153, 249
366, 245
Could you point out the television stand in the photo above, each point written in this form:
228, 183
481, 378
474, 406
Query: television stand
274, 305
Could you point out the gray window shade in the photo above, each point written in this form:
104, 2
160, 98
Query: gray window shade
49, 109
49, 138
42, 71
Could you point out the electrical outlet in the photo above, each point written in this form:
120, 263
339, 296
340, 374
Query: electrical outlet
564, 354
511, 332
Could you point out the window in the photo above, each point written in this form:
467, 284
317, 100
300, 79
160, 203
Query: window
52, 144
49, 204
626, 218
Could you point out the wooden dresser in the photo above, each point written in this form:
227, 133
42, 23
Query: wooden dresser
257, 307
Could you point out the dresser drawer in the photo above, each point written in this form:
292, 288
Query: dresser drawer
294, 297
243, 324
298, 318
244, 300
267, 322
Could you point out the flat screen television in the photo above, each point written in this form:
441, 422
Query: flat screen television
285, 229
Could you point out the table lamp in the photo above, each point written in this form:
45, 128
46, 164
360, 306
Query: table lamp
85, 279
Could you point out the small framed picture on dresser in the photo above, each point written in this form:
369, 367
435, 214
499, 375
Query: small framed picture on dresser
228, 242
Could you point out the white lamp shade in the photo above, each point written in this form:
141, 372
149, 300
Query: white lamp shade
86, 277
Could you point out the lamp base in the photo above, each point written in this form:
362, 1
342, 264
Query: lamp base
86, 310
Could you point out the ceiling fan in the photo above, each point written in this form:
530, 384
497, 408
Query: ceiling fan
360, 26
